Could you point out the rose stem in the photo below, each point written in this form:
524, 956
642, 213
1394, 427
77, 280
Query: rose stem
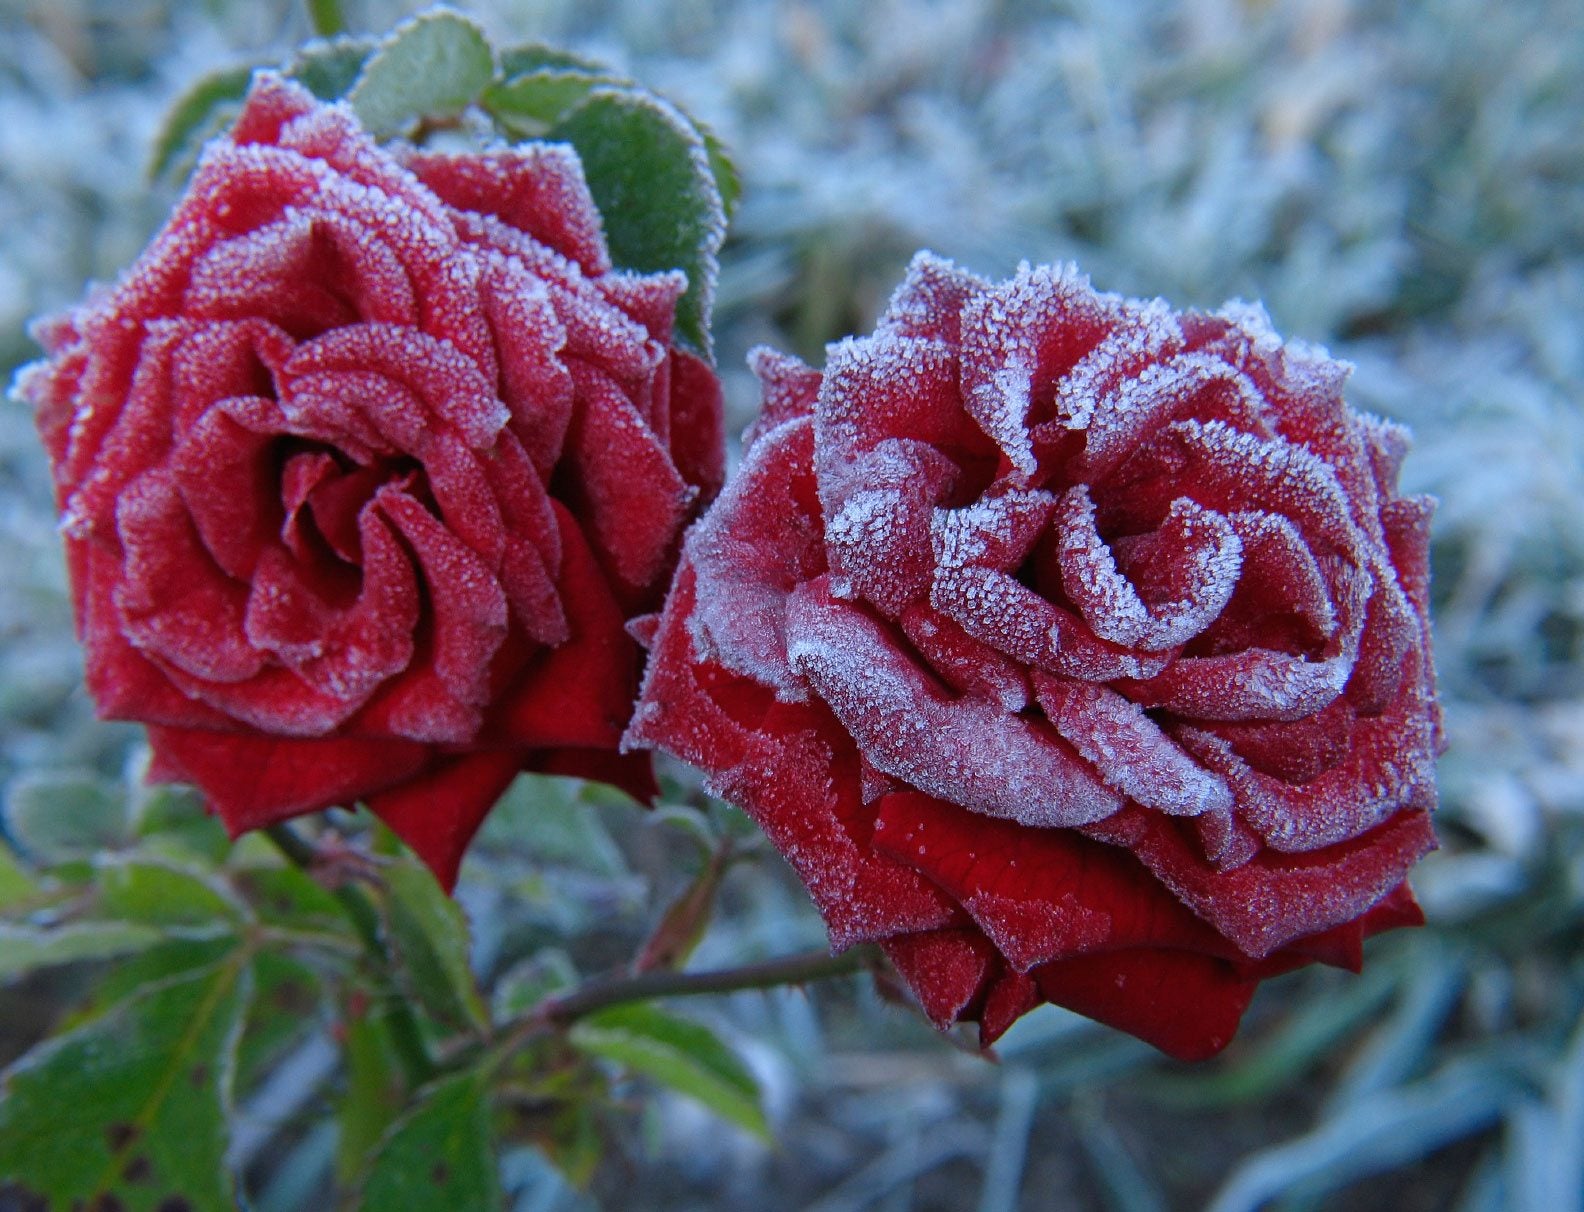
326, 17
557, 1012
406, 1034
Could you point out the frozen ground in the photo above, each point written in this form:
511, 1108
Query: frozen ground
1402, 181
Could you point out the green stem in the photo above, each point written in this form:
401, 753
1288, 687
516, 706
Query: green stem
327, 17
560, 1012
417, 1065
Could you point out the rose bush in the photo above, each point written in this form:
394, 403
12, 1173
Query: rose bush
363, 468
1074, 649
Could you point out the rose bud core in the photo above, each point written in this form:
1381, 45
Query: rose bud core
364, 466
1074, 649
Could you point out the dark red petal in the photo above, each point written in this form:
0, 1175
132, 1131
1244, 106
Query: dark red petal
438, 812
538, 188
762, 538
1187, 1005
252, 781
1010, 996
967, 750
1038, 894
580, 692
1129, 749
174, 603
793, 770
623, 484
789, 390
1275, 898
529, 338
930, 300
877, 530
698, 425
946, 969
881, 388
630, 772
962, 662
1030, 330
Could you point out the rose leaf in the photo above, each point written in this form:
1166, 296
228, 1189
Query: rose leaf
200, 113
649, 171
676, 1052
57, 816
132, 1104
329, 67
439, 1155
429, 935
433, 66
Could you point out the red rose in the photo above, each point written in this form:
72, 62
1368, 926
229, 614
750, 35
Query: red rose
363, 468
1074, 649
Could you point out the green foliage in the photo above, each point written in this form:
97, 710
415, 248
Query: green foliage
438, 1157
133, 1103
431, 67
649, 171
428, 937
678, 1053
56, 817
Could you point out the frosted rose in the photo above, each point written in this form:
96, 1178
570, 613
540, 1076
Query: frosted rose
1074, 649
363, 467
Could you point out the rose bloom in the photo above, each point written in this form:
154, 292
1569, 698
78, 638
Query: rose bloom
363, 468
1074, 649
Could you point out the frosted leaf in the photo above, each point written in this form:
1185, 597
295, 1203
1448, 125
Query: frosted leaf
930, 299
994, 532
1190, 571
965, 750
1129, 749
758, 542
878, 537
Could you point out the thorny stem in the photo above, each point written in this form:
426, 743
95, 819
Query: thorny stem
560, 1012
417, 1065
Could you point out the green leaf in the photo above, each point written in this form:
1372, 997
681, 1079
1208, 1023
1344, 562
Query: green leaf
198, 115
56, 816
532, 56
565, 831
172, 817
527, 983
649, 171
23, 948
287, 995
290, 897
433, 66
330, 67
429, 936
530, 103
374, 1092
16, 885
440, 1155
685, 920
723, 168
160, 963
677, 1052
133, 1103
162, 893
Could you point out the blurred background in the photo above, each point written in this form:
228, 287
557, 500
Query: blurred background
1401, 181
